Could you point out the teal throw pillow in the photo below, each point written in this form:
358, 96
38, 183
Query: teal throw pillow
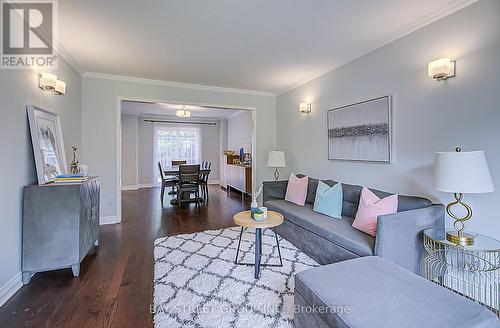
329, 200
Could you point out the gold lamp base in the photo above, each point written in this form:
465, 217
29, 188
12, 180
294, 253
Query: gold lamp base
460, 238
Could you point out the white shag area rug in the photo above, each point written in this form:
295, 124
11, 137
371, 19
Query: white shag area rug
197, 283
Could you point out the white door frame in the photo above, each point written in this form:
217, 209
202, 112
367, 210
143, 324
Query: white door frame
119, 100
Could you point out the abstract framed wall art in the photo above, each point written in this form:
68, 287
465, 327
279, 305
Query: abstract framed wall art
48, 146
361, 131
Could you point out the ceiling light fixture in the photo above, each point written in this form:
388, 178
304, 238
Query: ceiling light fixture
183, 112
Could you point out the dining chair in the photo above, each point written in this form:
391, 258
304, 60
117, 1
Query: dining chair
175, 163
204, 178
166, 182
189, 176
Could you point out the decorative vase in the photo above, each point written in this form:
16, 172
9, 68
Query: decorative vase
253, 206
73, 167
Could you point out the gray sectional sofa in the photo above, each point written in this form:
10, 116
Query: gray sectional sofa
328, 240
371, 292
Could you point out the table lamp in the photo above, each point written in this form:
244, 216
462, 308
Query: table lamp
461, 173
276, 159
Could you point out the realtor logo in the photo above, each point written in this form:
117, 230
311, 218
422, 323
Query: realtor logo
28, 34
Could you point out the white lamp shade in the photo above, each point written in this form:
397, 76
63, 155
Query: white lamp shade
462, 172
276, 158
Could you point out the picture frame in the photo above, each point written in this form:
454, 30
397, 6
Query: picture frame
48, 145
361, 132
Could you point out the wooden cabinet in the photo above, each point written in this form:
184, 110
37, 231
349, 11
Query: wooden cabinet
239, 177
60, 226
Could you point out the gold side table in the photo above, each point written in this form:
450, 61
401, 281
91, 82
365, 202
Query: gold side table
472, 271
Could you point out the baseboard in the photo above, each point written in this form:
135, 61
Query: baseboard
213, 181
145, 185
10, 288
109, 220
130, 188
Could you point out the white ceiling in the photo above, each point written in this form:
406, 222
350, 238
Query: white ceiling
255, 44
164, 109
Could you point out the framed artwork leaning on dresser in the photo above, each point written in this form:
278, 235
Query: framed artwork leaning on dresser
48, 145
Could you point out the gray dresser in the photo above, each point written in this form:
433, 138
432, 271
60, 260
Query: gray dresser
60, 226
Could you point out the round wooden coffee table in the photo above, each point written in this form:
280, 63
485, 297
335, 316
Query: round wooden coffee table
244, 220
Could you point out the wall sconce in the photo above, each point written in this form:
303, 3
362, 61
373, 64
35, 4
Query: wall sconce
441, 69
305, 108
60, 88
49, 82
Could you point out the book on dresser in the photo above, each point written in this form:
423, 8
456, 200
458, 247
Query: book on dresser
60, 225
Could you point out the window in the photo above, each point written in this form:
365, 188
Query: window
176, 143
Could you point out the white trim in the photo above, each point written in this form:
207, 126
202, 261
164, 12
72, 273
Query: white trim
213, 182
118, 113
235, 114
124, 188
68, 58
176, 84
201, 104
118, 163
104, 220
10, 288
399, 33
145, 185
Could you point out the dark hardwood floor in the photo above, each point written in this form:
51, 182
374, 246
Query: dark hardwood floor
115, 284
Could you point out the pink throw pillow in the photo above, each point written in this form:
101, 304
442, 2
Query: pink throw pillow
370, 207
296, 191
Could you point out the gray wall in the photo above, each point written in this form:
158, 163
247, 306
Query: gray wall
101, 138
18, 88
239, 131
129, 150
429, 116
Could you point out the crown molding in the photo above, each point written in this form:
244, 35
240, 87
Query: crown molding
399, 33
68, 58
123, 78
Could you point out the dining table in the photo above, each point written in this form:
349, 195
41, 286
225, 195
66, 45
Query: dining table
174, 171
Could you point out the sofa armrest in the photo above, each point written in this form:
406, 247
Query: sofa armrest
399, 235
274, 190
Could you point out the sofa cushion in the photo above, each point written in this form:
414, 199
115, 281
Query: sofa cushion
328, 200
370, 207
339, 232
313, 186
296, 190
382, 294
352, 194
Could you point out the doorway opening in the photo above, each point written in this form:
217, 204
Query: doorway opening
219, 137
